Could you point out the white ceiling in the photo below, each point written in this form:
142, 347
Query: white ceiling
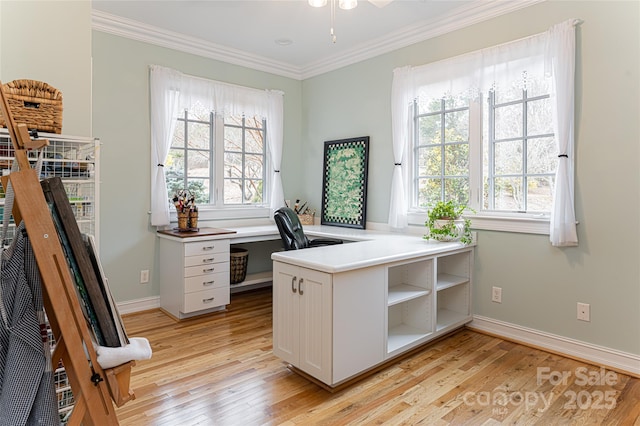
248, 32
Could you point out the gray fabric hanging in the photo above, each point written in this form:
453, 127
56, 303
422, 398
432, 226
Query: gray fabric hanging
27, 392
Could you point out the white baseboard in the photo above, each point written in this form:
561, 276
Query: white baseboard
616, 360
138, 305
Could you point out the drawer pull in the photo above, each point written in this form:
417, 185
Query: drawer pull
208, 283
209, 300
208, 248
208, 260
209, 270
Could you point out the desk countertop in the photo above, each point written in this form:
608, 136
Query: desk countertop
367, 247
374, 248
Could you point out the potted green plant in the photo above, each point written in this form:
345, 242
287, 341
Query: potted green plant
445, 223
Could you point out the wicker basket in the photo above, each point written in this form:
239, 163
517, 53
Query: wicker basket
239, 259
35, 104
306, 219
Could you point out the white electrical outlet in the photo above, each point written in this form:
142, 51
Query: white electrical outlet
584, 311
144, 276
496, 294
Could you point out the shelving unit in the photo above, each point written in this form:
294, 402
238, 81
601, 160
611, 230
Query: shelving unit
409, 303
453, 288
74, 160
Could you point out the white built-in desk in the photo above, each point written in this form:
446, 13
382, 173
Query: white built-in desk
338, 311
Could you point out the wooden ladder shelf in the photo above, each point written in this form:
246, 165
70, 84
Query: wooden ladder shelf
94, 389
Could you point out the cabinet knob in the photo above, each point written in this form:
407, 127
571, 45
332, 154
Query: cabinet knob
211, 259
293, 281
209, 270
208, 283
300, 286
209, 300
208, 248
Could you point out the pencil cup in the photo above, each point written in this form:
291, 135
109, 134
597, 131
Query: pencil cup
183, 220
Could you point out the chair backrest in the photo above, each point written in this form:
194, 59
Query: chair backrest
290, 229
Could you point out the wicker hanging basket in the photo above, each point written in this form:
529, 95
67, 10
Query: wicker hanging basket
34, 103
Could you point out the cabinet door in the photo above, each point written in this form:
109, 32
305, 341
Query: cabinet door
314, 295
285, 312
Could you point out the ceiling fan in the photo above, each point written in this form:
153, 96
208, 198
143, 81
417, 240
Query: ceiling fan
346, 5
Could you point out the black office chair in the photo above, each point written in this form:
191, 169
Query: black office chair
292, 234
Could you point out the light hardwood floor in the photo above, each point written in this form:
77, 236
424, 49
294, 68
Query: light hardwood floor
219, 370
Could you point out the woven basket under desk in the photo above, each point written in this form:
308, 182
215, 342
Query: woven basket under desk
34, 103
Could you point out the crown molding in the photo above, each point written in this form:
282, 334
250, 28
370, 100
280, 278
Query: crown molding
135, 30
461, 17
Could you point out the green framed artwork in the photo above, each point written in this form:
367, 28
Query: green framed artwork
344, 182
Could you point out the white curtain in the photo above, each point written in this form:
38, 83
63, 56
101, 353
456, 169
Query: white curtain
173, 91
275, 127
547, 55
400, 126
165, 94
560, 63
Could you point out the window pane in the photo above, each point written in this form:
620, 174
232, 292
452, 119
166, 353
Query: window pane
199, 188
429, 130
232, 139
542, 156
508, 158
233, 191
429, 161
457, 190
198, 135
539, 117
456, 160
198, 164
253, 191
538, 87
457, 126
454, 102
254, 122
253, 166
232, 165
178, 135
429, 192
508, 121
540, 194
508, 93
253, 141
175, 160
508, 194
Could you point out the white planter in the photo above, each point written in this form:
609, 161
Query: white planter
458, 232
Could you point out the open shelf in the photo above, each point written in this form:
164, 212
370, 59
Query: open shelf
447, 317
448, 280
404, 292
403, 335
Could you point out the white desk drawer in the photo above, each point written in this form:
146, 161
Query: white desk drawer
206, 259
206, 247
206, 299
213, 268
206, 282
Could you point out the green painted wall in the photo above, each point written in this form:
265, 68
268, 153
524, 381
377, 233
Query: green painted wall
541, 284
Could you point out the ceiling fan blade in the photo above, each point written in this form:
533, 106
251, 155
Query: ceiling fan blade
380, 3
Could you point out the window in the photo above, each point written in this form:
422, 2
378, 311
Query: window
238, 176
520, 154
441, 165
221, 142
493, 128
516, 151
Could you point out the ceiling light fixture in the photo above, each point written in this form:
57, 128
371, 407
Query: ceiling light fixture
342, 4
